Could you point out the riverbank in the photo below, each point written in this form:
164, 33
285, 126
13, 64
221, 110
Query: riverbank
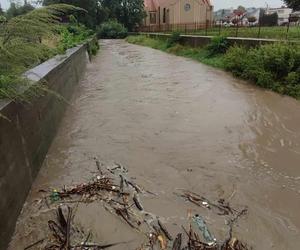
273, 66
175, 125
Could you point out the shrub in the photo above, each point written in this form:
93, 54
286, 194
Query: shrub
293, 78
72, 35
112, 30
275, 66
235, 60
218, 45
175, 38
2, 19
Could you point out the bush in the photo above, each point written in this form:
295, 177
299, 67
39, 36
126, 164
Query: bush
111, 30
275, 66
72, 35
174, 39
235, 60
218, 45
2, 19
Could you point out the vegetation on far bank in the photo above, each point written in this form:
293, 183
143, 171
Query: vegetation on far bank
173, 46
111, 30
274, 66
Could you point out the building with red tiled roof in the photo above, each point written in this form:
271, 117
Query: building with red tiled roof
161, 12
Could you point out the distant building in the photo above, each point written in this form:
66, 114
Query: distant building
283, 14
161, 12
229, 16
254, 12
222, 14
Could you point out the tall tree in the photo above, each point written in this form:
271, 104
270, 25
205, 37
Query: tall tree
128, 12
1, 11
16, 9
294, 4
90, 18
241, 8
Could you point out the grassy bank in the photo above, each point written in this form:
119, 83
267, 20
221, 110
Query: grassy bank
30, 39
198, 54
275, 66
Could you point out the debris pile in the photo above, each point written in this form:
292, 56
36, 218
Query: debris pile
121, 196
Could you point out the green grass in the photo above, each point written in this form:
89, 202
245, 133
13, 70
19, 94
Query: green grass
30, 39
278, 32
198, 54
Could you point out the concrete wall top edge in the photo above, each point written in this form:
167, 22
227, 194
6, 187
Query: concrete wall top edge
42, 70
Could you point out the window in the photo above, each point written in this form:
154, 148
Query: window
153, 18
164, 16
187, 7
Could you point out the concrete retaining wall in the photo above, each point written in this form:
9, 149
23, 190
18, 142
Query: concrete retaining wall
24, 141
198, 41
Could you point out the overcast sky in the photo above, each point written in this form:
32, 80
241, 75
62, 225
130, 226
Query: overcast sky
222, 4
219, 4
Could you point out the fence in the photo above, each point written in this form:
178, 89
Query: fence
290, 31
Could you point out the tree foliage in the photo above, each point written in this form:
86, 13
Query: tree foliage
90, 18
16, 10
268, 20
111, 30
294, 4
1, 11
127, 12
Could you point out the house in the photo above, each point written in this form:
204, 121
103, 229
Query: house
161, 12
255, 14
283, 14
222, 14
295, 18
232, 16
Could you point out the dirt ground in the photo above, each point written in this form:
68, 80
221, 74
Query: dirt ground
175, 124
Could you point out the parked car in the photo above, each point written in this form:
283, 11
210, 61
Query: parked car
228, 24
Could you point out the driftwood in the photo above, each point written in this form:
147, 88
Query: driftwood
123, 200
137, 202
61, 231
222, 206
164, 229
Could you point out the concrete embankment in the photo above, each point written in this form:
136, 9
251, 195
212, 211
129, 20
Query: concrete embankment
26, 137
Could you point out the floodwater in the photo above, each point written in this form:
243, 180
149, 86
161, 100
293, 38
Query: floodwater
175, 123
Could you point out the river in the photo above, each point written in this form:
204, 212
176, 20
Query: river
177, 124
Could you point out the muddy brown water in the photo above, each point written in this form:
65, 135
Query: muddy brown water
175, 123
